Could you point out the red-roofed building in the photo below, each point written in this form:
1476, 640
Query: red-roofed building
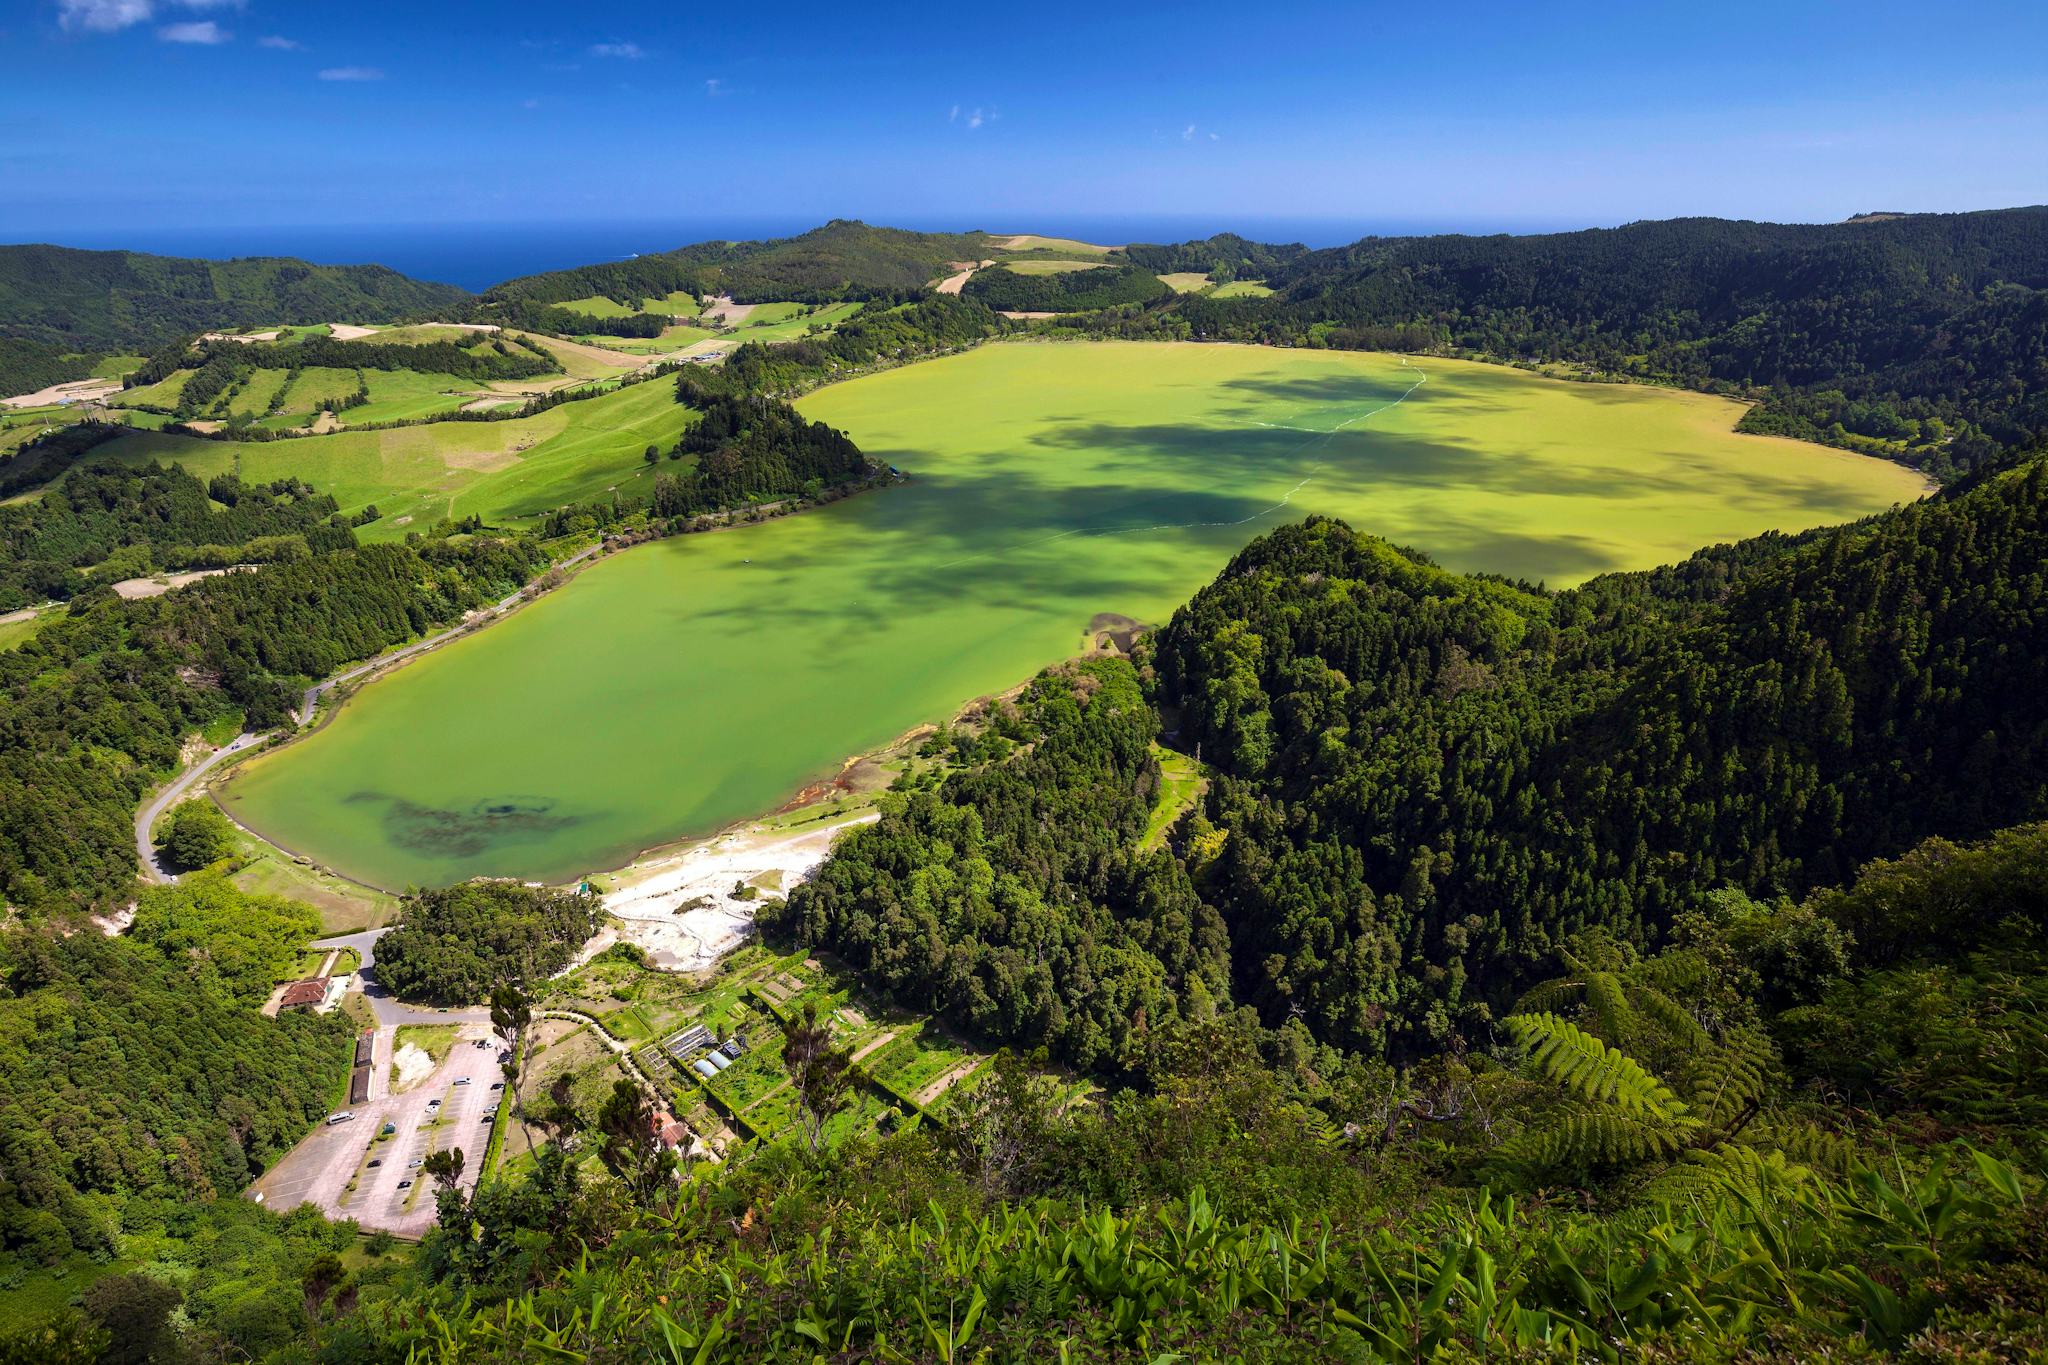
303, 995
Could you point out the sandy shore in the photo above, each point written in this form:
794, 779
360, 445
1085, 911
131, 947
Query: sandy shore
680, 908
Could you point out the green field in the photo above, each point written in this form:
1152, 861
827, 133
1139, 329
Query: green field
1186, 282
1036, 267
678, 304
13, 633
254, 399
501, 471
162, 394
1241, 289
700, 680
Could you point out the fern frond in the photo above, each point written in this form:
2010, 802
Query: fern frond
1607, 1009
1730, 1077
1676, 972
1706, 1177
1806, 1143
1590, 1137
1569, 1056
1680, 1028
1551, 997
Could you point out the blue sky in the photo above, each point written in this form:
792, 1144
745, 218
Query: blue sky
178, 113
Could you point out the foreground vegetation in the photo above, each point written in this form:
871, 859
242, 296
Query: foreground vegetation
1649, 970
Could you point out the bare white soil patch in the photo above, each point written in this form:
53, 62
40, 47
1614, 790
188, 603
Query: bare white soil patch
134, 589
722, 309
679, 908
72, 391
413, 1064
348, 331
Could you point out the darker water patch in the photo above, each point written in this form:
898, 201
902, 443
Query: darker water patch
439, 832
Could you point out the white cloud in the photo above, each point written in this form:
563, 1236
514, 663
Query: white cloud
1187, 134
111, 16
714, 87
974, 119
101, 16
1215, 137
529, 104
352, 73
280, 44
630, 51
204, 32
953, 116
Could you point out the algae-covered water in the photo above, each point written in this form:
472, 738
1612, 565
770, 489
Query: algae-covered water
687, 684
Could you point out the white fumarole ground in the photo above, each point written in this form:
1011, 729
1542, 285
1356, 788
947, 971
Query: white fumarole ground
679, 907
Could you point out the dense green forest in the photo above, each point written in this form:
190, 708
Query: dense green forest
1104, 286
1224, 257
124, 522
459, 943
1919, 336
1424, 784
751, 449
63, 300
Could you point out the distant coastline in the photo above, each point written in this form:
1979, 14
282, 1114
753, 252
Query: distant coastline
478, 255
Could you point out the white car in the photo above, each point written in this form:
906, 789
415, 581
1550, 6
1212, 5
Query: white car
343, 1117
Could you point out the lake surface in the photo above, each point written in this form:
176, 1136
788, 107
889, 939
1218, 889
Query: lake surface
684, 685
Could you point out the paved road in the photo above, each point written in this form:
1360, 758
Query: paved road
320, 689
389, 1010
147, 816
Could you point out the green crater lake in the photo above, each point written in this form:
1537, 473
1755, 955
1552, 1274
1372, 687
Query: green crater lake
676, 688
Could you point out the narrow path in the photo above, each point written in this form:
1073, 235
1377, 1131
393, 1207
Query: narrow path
146, 818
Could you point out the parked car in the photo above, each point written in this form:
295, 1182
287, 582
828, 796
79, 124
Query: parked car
389, 1129
462, 1080
415, 1164
497, 1085
343, 1117
405, 1184
378, 1162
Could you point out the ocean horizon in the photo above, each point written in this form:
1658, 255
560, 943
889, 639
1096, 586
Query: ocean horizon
476, 256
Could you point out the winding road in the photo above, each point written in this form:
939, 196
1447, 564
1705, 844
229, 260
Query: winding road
146, 818
389, 1011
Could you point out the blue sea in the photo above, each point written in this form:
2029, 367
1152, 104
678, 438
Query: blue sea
478, 255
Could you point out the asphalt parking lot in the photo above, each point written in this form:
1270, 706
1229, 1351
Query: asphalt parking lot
450, 1109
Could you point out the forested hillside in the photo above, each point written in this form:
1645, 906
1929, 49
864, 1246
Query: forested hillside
841, 260
1923, 336
64, 300
1100, 287
93, 709
1426, 784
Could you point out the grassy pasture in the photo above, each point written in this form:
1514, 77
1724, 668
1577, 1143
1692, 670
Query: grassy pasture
314, 389
1031, 241
117, 366
254, 399
678, 304
671, 339
1186, 282
13, 633
162, 394
502, 471
1241, 289
790, 321
1037, 267
701, 680
398, 395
